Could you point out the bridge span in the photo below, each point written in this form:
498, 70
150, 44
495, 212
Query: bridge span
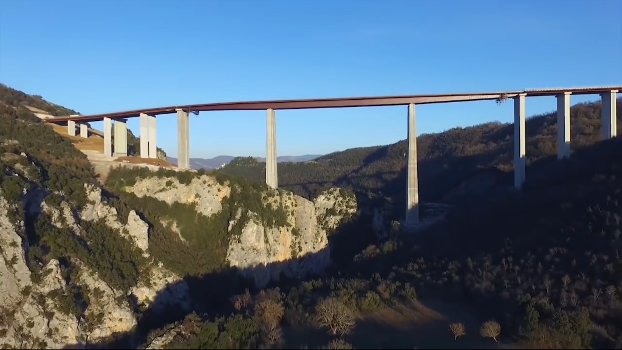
148, 125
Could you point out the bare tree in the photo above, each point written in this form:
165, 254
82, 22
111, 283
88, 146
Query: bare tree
547, 284
269, 312
595, 294
574, 298
335, 316
490, 329
338, 344
457, 329
563, 299
611, 292
565, 280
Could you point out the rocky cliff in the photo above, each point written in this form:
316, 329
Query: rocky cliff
294, 242
72, 298
34, 305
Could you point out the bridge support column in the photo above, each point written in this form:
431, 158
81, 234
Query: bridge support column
153, 151
183, 145
120, 138
563, 125
108, 137
71, 128
412, 200
144, 135
519, 140
608, 114
84, 131
271, 165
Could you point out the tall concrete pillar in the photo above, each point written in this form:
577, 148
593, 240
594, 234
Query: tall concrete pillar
608, 114
563, 125
271, 164
144, 135
108, 137
84, 131
71, 128
153, 151
519, 140
183, 142
120, 138
412, 200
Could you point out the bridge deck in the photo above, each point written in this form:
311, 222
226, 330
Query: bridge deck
338, 102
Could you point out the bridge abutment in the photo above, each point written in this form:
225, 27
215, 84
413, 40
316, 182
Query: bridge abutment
183, 142
609, 114
108, 137
153, 150
71, 128
144, 135
120, 138
412, 200
84, 131
519, 140
563, 125
271, 159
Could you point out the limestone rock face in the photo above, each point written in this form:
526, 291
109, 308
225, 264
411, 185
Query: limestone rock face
203, 191
297, 248
31, 313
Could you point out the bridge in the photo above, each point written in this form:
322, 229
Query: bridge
148, 125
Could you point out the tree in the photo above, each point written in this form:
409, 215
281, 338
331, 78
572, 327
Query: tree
269, 312
457, 329
338, 344
490, 329
335, 316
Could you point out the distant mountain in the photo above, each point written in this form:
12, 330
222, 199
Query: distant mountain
218, 161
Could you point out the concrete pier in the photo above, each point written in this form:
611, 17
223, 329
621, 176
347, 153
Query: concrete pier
153, 151
108, 137
84, 131
519, 140
144, 135
120, 138
183, 142
71, 128
563, 125
608, 114
271, 165
412, 200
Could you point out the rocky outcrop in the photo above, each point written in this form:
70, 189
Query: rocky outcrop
161, 154
14, 273
203, 191
136, 229
29, 319
162, 288
105, 314
296, 247
30, 310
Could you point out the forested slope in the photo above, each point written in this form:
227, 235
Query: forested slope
446, 159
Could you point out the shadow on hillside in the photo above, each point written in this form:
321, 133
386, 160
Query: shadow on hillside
211, 293
207, 294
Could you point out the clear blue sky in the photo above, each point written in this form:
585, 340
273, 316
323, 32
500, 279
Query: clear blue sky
104, 56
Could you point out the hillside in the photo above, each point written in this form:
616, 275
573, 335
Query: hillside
542, 266
217, 162
82, 263
481, 153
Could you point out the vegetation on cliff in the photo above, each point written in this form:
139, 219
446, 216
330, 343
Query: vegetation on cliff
38, 165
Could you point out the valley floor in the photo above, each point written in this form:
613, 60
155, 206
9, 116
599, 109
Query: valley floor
419, 325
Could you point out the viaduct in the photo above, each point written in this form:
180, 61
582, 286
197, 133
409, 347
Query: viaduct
148, 125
